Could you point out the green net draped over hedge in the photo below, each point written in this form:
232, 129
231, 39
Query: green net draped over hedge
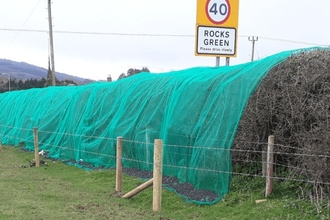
195, 112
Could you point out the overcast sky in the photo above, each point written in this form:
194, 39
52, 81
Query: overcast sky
158, 34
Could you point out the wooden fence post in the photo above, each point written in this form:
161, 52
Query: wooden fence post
36, 147
264, 161
147, 145
156, 181
270, 165
157, 176
119, 165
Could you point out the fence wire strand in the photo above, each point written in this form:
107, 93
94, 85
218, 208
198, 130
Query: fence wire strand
139, 144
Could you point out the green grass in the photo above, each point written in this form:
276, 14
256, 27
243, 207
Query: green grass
59, 191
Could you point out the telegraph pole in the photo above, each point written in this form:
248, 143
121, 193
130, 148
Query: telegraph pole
253, 39
51, 44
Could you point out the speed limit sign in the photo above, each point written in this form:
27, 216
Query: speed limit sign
216, 27
218, 11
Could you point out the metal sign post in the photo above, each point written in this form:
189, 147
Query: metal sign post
227, 61
217, 61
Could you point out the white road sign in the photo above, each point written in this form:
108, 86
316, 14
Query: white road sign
216, 40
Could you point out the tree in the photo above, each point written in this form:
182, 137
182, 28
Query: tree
21, 85
49, 80
66, 82
122, 76
145, 69
131, 71
42, 82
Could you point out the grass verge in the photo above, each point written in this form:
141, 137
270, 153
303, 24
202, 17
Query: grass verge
59, 191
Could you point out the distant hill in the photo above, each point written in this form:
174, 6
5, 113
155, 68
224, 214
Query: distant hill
21, 71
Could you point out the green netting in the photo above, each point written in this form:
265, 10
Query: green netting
195, 112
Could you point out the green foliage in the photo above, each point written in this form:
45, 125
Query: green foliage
132, 72
65, 82
253, 168
49, 80
292, 103
23, 84
121, 76
32, 83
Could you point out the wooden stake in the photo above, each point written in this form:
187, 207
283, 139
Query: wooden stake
270, 165
261, 200
36, 147
157, 175
138, 189
147, 145
264, 161
119, 165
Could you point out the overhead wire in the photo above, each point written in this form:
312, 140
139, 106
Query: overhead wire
26, 20
151, 35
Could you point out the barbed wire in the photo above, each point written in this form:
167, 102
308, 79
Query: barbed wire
203, 148
58, 133
235, 141
183, 146
150, 163
148, 144
233, 148
125, 158
79, 135
249, 175
146, 162
14, 127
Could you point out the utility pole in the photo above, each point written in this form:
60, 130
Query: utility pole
253, 39
51, 44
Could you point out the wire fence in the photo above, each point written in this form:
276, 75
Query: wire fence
249, 166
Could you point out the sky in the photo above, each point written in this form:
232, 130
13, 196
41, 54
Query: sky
95, 39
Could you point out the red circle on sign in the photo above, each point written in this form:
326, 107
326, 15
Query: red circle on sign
209, 17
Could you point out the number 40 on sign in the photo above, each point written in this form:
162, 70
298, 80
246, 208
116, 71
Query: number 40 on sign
218, 11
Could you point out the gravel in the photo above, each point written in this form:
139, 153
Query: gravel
184, 189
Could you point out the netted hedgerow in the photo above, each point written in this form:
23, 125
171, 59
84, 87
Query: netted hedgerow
293, 103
